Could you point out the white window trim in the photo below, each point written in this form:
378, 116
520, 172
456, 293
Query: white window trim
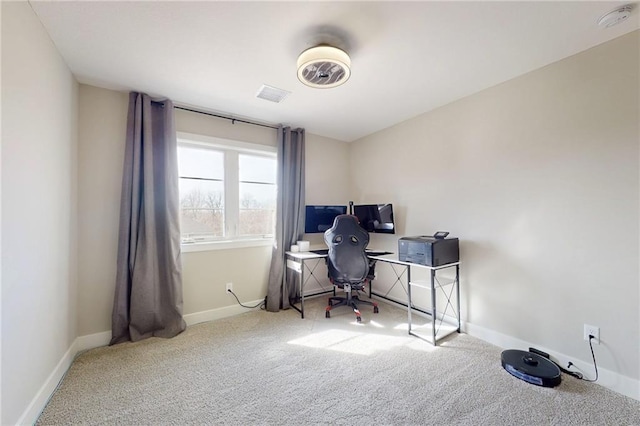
240, 147
224, 245
211, 141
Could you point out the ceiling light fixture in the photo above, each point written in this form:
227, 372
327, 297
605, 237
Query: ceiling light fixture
323, 67
615, 16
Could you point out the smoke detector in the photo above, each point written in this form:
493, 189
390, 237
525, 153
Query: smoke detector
615, 16
323, 67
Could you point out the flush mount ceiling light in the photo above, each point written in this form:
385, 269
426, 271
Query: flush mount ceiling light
615, 16
324, 67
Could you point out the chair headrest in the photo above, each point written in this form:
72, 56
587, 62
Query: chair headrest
346, 226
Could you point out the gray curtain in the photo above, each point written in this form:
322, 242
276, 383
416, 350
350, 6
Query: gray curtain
289, 220
148, 295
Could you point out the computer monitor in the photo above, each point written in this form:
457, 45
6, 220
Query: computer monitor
320, 218
376, 217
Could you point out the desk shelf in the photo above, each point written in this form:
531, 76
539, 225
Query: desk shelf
426, 332
442, 321
439, 282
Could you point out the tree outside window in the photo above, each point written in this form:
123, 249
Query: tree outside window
226, 192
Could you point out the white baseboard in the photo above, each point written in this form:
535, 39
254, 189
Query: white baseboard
103, 338
607, 378
219, 313
31, 414
96, 340
91, 341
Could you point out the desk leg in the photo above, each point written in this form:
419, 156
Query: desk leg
300, 273
301, 290
409, 297
433, 306
458, 293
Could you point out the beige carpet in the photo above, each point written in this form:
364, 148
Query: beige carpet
274, 368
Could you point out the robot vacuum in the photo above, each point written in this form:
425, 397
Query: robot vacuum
531, 367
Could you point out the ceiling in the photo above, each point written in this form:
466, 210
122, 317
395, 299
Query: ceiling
407, 57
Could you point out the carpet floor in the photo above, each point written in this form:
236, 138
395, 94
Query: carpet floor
267, 368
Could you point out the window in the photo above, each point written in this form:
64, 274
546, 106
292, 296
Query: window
227, 190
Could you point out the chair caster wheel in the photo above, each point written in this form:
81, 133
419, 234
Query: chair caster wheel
375, 309
359, 319
327, 314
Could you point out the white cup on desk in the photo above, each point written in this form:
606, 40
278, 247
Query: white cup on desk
303, 245
295, 248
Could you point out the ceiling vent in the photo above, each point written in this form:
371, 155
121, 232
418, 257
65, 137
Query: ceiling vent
615, 16
323, 67
273, 94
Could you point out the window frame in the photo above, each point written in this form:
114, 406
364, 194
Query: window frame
232, 149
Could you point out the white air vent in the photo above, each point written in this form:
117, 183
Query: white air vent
273, 94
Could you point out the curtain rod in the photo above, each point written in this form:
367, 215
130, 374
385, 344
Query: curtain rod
233, 120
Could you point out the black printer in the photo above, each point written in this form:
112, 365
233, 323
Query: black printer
429, 251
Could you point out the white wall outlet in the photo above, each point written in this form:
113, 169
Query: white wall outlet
593, 331
229, 288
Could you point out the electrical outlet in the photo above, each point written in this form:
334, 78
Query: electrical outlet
593, 331
229, 288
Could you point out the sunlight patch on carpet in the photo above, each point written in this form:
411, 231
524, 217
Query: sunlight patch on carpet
358, 343
375, 324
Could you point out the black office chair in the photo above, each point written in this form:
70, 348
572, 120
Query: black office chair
347, 263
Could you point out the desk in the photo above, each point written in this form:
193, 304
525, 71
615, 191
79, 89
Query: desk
441, 324
296, 261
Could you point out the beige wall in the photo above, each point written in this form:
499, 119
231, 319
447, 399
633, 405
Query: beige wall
39, 207
327, 173
101, 139
101, 134
538, 177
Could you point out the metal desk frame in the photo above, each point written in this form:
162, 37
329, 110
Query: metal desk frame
296, 261
434, 284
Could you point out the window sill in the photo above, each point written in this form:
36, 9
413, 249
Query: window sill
224, 245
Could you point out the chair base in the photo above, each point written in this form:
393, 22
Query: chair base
350, 300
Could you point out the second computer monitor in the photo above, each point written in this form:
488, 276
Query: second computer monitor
376, 217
